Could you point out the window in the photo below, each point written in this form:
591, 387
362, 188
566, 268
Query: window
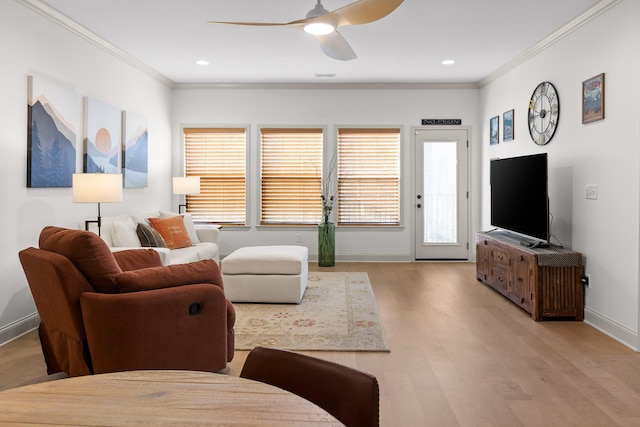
369, 176
291, 176
218, 157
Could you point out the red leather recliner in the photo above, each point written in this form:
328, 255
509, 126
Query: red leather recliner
107, 312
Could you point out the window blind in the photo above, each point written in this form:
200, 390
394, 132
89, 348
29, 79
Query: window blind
369, 176
291, 176
218, 157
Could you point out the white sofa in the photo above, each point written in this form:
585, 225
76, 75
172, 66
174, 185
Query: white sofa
120, 234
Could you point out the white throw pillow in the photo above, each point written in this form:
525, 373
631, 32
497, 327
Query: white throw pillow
124, 234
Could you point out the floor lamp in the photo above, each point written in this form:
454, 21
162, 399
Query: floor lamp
96, 188
186, 185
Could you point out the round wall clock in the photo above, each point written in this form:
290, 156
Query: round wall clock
544, 112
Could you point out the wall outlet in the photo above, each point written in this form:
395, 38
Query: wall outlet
298, 238
591, 192
586, 280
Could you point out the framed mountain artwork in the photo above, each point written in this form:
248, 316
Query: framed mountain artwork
102, 139
135, 150
51, 132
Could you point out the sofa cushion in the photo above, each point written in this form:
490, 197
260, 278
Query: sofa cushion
87, 251
205, 271
204, 250
149, 237
143, 217
172, 230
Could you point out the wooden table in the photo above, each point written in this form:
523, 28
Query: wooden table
156, 398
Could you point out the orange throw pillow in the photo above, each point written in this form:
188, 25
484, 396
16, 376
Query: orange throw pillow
172, 230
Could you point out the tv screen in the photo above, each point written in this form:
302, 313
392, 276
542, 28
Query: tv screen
519, 195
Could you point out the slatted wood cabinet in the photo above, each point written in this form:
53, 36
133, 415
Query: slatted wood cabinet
545, 282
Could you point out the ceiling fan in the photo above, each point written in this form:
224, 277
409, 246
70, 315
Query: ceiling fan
323, 24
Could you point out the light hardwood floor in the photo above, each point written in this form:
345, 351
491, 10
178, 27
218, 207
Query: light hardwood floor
461, 355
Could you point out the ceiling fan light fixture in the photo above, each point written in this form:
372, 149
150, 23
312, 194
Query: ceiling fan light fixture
319, 28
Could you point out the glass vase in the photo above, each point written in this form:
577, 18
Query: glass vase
326, 244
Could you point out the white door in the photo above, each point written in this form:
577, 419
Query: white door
442, 197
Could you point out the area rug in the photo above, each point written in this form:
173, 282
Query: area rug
338, 313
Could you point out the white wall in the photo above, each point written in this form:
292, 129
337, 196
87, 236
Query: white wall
603, 153
31, 43
328, 107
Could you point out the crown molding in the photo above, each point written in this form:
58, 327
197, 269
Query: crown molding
69, 24
596, 10
326, 86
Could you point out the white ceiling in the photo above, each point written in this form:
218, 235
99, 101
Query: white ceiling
407, 46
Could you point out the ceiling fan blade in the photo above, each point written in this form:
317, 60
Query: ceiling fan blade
254, 24
336, 47
363, 12
359, 12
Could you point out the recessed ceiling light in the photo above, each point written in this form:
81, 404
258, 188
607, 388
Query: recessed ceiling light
448, 62
202, 62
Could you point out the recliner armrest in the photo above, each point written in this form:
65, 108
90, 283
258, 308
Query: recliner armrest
144, 279
165, 253
135, 259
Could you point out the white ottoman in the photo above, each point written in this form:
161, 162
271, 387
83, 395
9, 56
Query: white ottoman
271, 274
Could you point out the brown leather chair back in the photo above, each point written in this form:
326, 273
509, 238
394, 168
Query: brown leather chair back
56, 286
351, 396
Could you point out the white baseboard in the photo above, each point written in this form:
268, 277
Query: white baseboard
360, 257
368, 258
18, 328
611, 328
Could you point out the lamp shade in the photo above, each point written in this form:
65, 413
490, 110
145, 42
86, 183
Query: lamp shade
186, 184
97, 187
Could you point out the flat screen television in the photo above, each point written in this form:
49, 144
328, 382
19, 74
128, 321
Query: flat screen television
519, 197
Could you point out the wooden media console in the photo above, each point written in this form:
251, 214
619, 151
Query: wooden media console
546, 282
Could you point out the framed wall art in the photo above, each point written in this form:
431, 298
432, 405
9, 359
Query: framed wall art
494, 131
51, 132
135, 150
507, 126
103, 133
593, 99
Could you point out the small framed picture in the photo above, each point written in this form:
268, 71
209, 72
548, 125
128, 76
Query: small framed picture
507, 126
593, 99
494, 131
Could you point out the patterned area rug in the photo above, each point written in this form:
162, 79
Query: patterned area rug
338, 313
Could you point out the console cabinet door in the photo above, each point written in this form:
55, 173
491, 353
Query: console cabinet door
483, 259
521, 280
